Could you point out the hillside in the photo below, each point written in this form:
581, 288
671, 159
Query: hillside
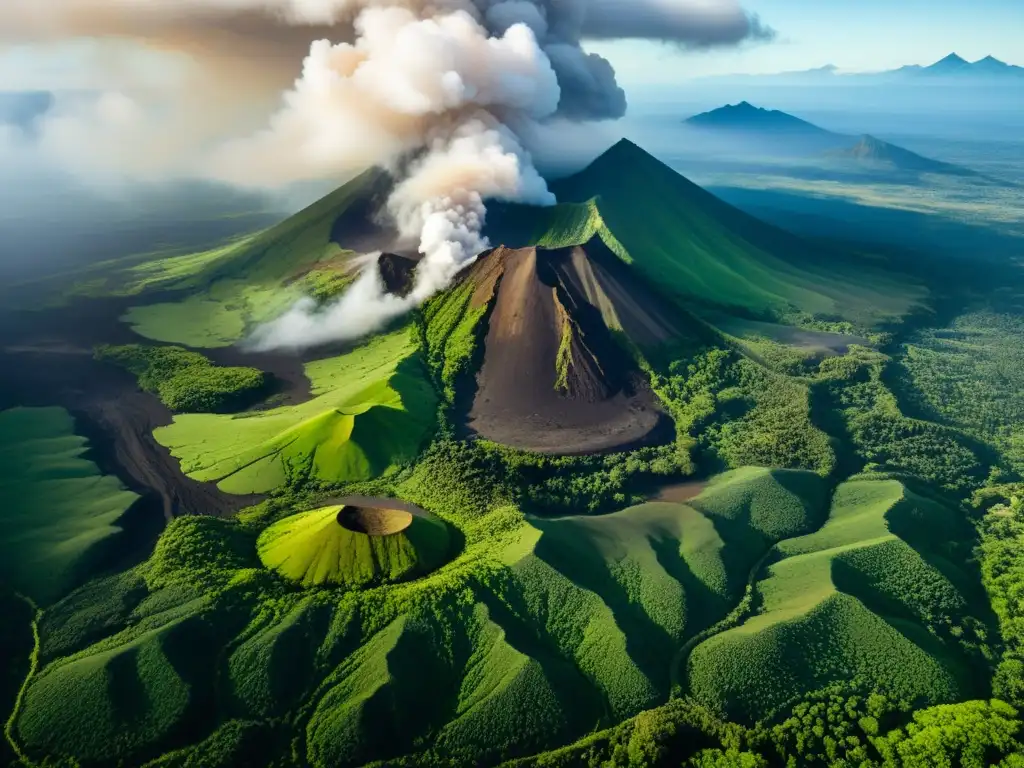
875, 153
537, 631
371, 410
754, 132
61, 519
881, 582
356, 544
221, 293
696, 249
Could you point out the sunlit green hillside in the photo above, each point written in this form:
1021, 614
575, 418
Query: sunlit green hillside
877, 596
371, 411
697, 248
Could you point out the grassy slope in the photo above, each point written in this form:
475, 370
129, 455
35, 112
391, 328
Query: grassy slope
852, 601
129, 661
313, 549
134, 694
372, 408
693, 245
56, 509
620, 592
247, 281
527, 639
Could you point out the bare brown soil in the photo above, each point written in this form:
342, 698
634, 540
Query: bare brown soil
591, 400
679, 493
377, 502
374, 521
594, 275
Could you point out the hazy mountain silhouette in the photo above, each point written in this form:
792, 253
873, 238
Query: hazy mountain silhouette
746, 117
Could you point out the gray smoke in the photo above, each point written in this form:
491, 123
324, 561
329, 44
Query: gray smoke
452, 93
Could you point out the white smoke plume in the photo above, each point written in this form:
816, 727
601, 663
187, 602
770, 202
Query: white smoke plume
444, 92
441, 201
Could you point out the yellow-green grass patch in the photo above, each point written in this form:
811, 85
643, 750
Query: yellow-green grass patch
353, 547
372, 409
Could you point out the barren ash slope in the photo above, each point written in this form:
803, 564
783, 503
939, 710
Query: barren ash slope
554, 378
393, 603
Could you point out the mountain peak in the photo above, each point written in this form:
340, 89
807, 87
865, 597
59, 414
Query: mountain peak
870, 141
623, 149
623, 157
952, 58
745, 116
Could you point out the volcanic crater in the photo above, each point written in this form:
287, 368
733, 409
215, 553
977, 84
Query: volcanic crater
374, 521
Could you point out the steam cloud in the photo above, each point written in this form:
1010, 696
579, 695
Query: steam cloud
448, 93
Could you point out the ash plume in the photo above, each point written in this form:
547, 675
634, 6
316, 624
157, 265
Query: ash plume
447, 94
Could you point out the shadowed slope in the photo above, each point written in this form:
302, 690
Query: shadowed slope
255, 278
58, 513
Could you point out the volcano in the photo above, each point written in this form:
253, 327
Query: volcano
557, 319
357, 542
557, 375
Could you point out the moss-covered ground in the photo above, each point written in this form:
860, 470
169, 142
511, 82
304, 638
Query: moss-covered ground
187, 381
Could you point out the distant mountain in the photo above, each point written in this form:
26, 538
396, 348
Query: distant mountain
745, 130
956, 66
952, 66
746, 117
874, 152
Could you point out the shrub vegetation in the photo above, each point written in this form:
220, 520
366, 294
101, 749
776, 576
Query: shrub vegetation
187, 382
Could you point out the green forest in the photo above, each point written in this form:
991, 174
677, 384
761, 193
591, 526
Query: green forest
814, 558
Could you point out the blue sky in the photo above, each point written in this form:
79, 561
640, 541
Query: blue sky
852, 34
